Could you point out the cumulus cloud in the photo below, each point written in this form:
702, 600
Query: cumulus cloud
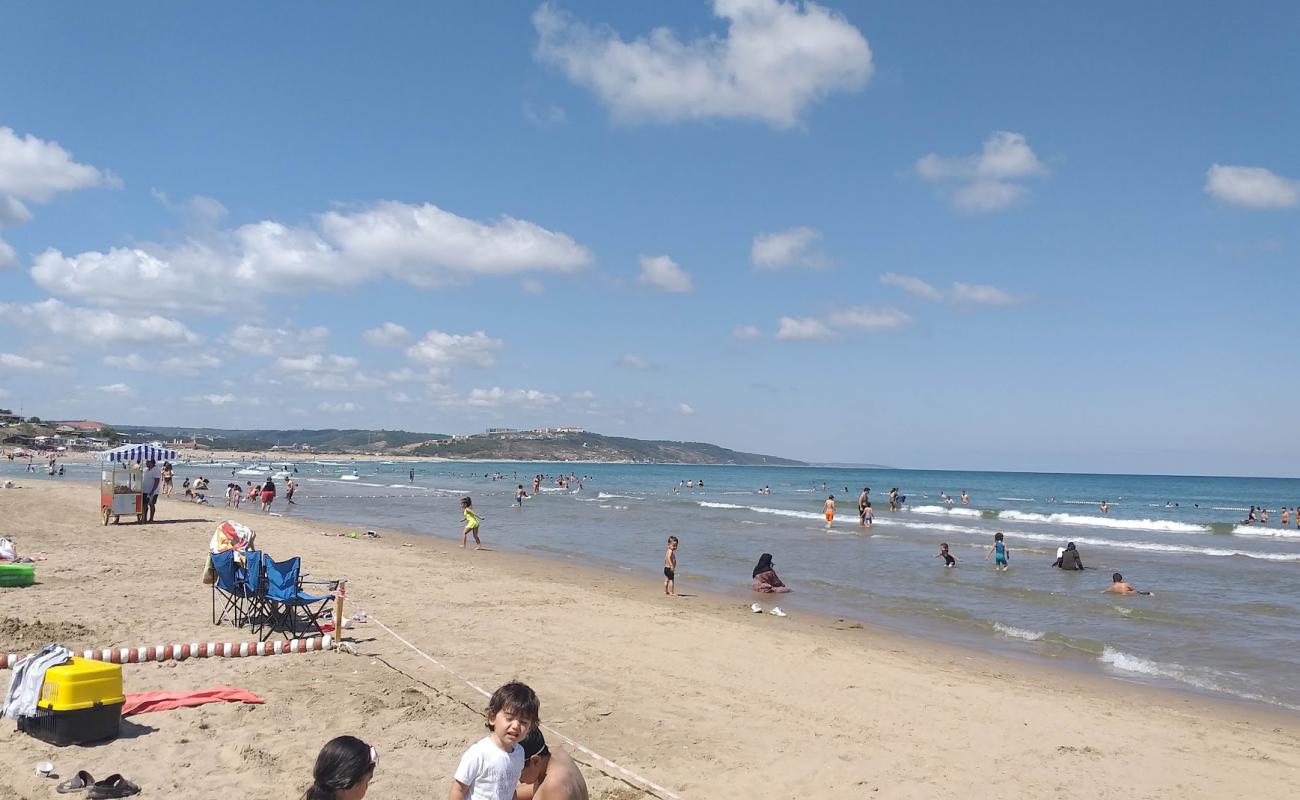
390, 334
339, 408
496, 396
117, 389
664, 274
913, 286
15, 361
746, 332
1251, 187
421, 245
198, 212
867, 318
685, 408
317, 363
776, 59
791, 328
635, 362
987, 181
7, 256
12, 212
969, 294
94, 326
792, 247
35, 169
260, 340
442, 351
585, 394
212, 399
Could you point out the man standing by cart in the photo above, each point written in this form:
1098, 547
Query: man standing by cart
152, 483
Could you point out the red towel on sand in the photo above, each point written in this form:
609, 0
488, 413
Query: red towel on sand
145, 702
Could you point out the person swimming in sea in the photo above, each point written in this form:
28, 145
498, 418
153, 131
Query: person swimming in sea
1119, 586
949, 560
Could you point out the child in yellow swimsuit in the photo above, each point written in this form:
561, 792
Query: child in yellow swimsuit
472, 522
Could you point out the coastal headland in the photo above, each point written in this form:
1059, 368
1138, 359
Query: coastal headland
694, 693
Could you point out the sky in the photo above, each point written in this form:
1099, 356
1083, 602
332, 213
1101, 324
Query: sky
1009, 235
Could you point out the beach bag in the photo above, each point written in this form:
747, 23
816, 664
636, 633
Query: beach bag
209, 572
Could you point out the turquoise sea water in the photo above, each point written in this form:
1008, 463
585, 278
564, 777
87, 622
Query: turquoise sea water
1225, 618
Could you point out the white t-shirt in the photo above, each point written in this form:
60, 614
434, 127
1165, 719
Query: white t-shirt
489, 772
152, 480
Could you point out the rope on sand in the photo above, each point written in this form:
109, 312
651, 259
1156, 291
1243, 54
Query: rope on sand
639, 780
180, 652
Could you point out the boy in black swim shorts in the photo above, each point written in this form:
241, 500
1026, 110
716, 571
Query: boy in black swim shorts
670, 567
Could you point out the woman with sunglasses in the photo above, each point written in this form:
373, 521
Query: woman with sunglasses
343, 770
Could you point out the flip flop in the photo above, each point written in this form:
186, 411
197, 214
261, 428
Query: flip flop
77, 783
113, 786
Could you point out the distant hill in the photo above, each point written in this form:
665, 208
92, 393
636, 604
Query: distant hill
532, 446
544, 445
329, 440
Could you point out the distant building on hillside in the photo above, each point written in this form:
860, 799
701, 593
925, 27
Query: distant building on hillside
496, 431
87, 425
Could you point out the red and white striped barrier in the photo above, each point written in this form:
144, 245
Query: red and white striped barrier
180, 652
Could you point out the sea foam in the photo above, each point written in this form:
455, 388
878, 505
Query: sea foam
1017, 633
1165, 525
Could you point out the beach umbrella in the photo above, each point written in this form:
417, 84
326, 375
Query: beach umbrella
129, 453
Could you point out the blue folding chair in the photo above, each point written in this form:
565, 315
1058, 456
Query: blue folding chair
257, 610
229, 587
292, 610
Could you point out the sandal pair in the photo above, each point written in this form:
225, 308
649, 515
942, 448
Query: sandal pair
112, 786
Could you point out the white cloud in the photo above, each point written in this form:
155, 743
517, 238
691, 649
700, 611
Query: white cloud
400, 397
117, 389
496, 396
585, 394
317, 363
15, 361
422, 245
913, 286
1252, 187
132, 361
635, 362
746, 332
984, 182
260, 340
8, 258
94, 326
199, 211
445, 350
982, 295
12, 212
664, 274
865, 318
807, 328
390, 334
339, 408
191, 364
36, 169
959, 293
788, 248
685, 408
775, 60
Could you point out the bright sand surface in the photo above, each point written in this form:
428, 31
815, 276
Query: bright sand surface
694, 693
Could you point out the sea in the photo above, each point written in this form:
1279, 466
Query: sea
1224, 619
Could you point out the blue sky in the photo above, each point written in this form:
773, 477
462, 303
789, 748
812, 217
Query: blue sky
1004, 236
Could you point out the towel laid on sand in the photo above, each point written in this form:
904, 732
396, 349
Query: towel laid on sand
29, 677
145, 702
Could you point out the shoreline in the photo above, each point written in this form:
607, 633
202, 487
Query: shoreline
695, 693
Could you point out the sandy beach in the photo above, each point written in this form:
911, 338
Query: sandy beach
694, 693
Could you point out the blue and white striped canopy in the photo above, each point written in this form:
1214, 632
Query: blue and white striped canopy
128, 453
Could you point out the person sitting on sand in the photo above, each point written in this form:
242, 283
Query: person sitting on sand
9, 553
548, 775
343, 770
1119, 586
1069, 559
765, 579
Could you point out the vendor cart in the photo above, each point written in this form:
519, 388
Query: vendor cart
121, 480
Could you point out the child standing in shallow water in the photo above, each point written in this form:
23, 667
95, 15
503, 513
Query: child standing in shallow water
1000, 553
949, 560
670, 567
472, 521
